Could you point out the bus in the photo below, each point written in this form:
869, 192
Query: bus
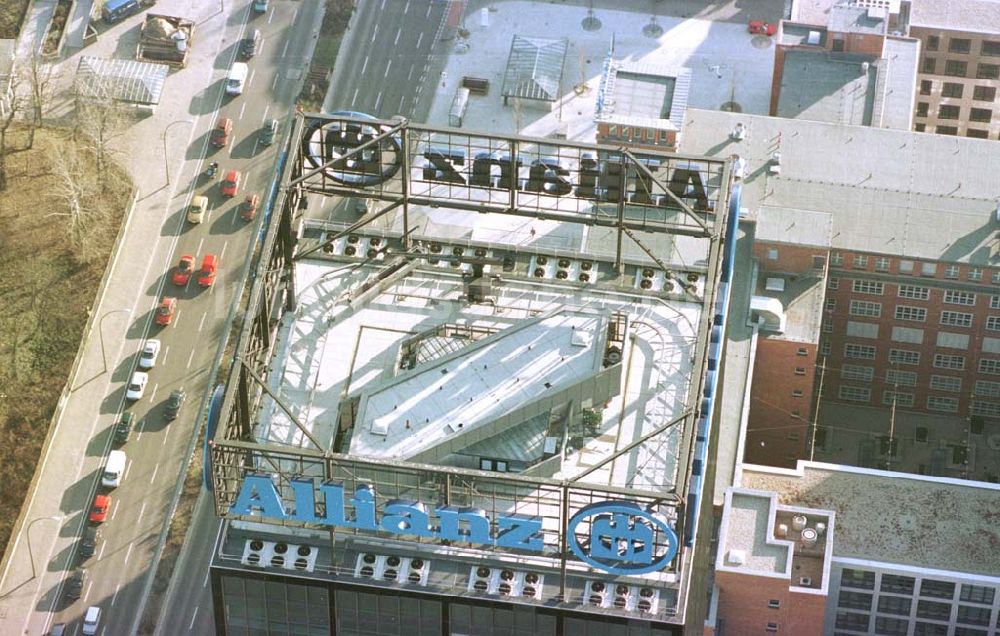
115, 10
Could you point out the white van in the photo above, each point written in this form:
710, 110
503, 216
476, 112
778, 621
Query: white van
114, 468
236, 78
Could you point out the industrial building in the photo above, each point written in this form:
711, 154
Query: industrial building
483, 399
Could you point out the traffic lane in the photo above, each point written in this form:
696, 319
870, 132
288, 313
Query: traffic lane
190, 605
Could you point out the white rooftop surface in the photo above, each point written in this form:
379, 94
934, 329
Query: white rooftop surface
461, 393
725, 61
328, 352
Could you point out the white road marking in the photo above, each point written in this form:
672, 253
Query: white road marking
190, 358
223, 252
274, 84
264, 118
87, 593
201, 323
378, 100
114, 508
295, 14
193, 615
375, 32
250, 79
242, 108
270, 17
420, 38
353, 100
398, 33
114, 598
428, 14
142, 511
100, 553
128, 553
364, 65
285, 49
201, 242
166, 352
407, 7
388, 65
409, 75
205, 583
400, 109
382, 6
152, 393
128, 464
166, 435
153, 478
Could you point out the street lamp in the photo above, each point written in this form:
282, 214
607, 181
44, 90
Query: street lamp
100, 332
28, 533
166, 165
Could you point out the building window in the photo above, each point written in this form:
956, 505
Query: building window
933, 42
826, 347
956, 68
797, 393
872, 287
952, 271
800, 370
882, 264
989, 367
920, 127
863, 352
985, 388
946, 130
831, 304
772, 254
969, 631
885, 626
975, 133
985, 409
916, 314
858, 579
925, 87
974, 615
774, 603
990, 48
897, 584
959, 298
922, 109
771, 627
857, 372
860, 261
855, 600
993, 323
905, 266
836, 259
904, 356
946, 111
833, 283
929, 66
959, 45
865, 308
943, 361
900, 378
988, 71
855, 393
933, 609
902, 400
951, 89
801, 351
894, 604
975, 273
852, 620
984, 93
915, 292
946, 383
928, 269
956, 319
944, 405
827, 327
981, 115
930, 629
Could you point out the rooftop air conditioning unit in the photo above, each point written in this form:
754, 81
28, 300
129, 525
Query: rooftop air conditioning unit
482, 579
393, 565
595, 594
531, 585
647, 600
415, 570
542, 267
279, 555
301, 558
256, 552
369, 565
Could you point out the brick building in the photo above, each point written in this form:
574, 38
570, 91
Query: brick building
642, 104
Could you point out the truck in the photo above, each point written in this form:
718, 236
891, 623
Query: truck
165, 39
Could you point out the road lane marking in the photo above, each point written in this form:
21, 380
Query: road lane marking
420, 38
205, 582
142, 511
400, 109
250, 79
382, 6
242, 108
375, 32
223, 252
274, 84
354, 99
428, 14
153, 478
114, 508
270, 17
193, 615
114, 598
264, 118
190, 358
128, 465
285, 50
388, 65
166, 351
409, 75
128, 553
166, 434
378, 100
87, 593
201, 323
152, 393
100, 553
201, 242
364, 65
398, 33
407, 7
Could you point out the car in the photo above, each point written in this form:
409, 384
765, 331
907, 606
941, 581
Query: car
88, 542
231, 184
269, 132
150, 352
184, 270
259, 6
75, 584
99, 511
250, 44
123, 428
196, 211
248, 210
166, 310
174, 403
59, 629
91, 620
137, 386
220, 134
209, 268
759, 27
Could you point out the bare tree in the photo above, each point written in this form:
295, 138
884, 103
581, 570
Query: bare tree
40, 78
75, 187
98, 121
14, 106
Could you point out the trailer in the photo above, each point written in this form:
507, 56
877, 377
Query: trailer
165, 39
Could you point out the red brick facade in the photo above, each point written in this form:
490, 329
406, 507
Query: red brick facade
751, 604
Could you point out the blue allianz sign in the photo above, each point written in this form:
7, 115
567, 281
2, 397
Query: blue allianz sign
622, 536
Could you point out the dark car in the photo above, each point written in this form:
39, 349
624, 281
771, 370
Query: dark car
250, 44
268, 132
88, 542
174, 403
123, 428
75, 583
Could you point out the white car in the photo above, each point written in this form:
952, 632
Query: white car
137, 386
91, 620
150, 352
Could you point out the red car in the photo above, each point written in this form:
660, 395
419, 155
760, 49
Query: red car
248, 211
759, 27
165, 312
99, 511
220, 134
231, 184
184, 270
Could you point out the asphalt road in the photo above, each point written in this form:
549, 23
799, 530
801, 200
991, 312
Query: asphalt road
31, 586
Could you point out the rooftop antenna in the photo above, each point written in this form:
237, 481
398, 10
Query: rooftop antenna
653, 29
591, 23
582, 88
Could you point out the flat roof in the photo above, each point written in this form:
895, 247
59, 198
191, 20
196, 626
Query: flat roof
929, 522
456, 394
749, 517
892, 192
977, 16
644, 94
898, 67
830, 87
859, 20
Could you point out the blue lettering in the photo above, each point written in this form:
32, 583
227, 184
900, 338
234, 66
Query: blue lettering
333, 497
364, 508
305, 503
476, 525
621, 537
520, 532
406, 517
258, 496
